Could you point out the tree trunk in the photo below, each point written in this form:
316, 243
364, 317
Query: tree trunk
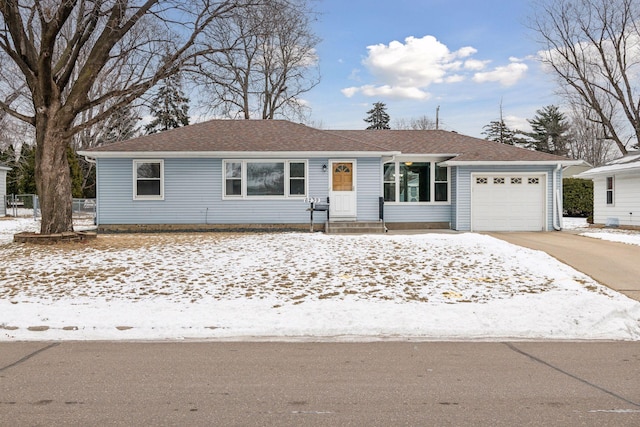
53, 181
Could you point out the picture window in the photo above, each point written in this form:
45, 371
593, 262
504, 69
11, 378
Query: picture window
249, 178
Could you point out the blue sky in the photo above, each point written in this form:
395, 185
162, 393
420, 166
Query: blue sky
465, 56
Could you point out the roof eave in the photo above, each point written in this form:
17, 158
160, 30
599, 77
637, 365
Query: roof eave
232, 154
604, 171
510, 162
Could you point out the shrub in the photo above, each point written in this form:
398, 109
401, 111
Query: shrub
577, 197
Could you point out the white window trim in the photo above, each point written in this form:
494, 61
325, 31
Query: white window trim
432, 182
136, 162
243, 192
613, 191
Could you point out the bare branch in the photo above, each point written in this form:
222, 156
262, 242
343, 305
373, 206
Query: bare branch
593, 47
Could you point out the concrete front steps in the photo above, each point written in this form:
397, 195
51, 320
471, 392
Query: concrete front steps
354, 227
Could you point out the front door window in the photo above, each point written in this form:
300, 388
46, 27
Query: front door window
342, 177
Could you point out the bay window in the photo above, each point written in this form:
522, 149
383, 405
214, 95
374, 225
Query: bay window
415, 182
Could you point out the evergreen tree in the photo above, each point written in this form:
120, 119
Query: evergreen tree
76, 173
26, 170
498, 131
550, 131
8, 158
378, 117
122, 125
169, 106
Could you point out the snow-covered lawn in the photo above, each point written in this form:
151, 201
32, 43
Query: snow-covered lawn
284, 286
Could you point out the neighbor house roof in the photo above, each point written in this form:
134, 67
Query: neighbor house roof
4, 167
629, 163
281, 137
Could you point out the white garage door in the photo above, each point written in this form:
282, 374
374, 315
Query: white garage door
508, 202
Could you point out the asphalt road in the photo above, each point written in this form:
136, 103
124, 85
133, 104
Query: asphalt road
320, 384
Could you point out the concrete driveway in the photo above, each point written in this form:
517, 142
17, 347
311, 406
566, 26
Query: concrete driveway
616, 265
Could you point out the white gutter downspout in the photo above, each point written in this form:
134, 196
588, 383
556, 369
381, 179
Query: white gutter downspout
556, 200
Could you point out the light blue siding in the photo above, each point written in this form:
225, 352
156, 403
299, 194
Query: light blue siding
193, 195
454, 197
417, 213
369, 188
462, 211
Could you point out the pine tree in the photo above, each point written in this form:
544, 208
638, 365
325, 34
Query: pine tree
8, 158
122, 125
76, 173
498, 131
378, 117
26, 166
169, 106
550, 131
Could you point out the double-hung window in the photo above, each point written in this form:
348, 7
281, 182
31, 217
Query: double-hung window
262, 178
415, 182
610, 190
148, 182
441, 184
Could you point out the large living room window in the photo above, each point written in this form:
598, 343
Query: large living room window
259, 178
148, 179
415, 182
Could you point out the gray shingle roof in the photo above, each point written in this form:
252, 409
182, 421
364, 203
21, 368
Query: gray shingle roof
241, 136
466, 148
251, 136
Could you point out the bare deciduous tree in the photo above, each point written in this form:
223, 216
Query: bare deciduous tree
63, 49
268, 63
593, 48
585, 138
420, 123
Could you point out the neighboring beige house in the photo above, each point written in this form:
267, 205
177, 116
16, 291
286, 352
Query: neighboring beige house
616, 191
3, 188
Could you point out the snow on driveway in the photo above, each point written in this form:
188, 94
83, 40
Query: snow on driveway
283, 286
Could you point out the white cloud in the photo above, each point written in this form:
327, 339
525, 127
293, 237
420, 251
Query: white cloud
517, 123
419, 62
475, 64
355, 75
349, 91
387, 91
506, 75
407, 69
456, 78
